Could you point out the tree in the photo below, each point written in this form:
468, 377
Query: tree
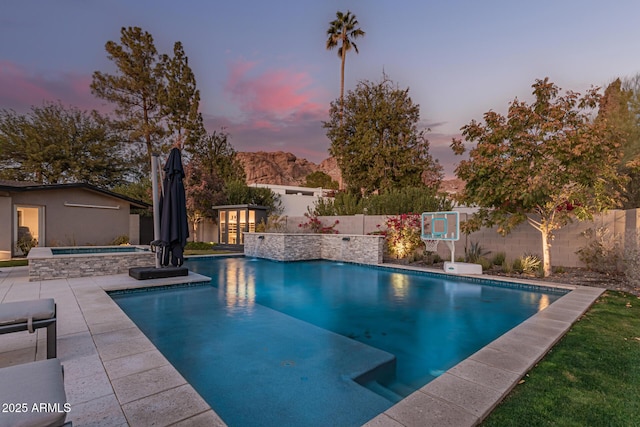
155, 95
180, 99
239, 193
342, 32
544, 163
376, 142
203, 191
620, 108
136, 88
319, 179
212, 166
54, 145
217, 156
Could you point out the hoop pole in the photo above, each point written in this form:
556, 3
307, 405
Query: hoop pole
452, 247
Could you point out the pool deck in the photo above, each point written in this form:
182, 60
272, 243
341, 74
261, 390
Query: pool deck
114, 376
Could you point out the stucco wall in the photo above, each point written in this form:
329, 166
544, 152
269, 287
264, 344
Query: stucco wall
6, 227
78, 226
522, 240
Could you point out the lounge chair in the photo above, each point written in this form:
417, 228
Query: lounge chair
29, 316
33, 395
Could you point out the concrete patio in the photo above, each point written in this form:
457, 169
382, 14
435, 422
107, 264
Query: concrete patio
114, 376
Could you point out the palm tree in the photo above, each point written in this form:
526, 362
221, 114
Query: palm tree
343, 31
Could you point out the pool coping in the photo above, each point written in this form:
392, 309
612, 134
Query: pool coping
115, 375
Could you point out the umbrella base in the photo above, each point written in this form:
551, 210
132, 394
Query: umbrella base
144, 273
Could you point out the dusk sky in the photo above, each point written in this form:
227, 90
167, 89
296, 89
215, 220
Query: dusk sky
264, 73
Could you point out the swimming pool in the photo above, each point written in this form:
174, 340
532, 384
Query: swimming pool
280, 343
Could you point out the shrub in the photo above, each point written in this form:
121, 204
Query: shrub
315, 225
199, 246
507, 267
632, 258
530, 264
603, 253
499, 258
558, 270
26, 242
485, 263
474, 252
120, 240
403, 234
275, 224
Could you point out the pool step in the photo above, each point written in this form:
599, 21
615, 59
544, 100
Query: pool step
383, 391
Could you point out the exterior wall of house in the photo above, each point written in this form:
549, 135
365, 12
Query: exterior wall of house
6, 219
77, 226
295, 200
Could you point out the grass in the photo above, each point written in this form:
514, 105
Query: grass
14, 263
590, 378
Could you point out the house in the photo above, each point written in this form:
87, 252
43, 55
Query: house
62, 215
296, 200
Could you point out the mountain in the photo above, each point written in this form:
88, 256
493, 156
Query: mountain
286, 169
283, 168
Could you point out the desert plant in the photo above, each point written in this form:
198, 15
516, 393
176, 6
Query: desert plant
530, 264
558, 270
474, 252
485, 263
507, 267
499, 258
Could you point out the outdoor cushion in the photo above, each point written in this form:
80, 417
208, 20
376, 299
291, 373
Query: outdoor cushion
27, 311
28, 316
36, 391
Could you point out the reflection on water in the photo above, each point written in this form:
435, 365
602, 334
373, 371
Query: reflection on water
240, 290
544, 302
400, 285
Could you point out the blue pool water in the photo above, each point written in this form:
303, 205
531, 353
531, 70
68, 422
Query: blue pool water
320, 343
95, 250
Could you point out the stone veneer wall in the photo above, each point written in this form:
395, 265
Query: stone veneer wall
298, 247
43, 266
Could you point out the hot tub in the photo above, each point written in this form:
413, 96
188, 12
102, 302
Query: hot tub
85, 261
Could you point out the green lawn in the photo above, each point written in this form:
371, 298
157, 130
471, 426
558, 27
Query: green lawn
14, 263
590, 378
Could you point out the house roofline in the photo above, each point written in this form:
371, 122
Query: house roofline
18, 186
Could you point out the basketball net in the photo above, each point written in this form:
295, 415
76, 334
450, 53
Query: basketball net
431, 245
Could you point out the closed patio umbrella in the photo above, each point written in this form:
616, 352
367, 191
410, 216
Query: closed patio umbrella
173, 212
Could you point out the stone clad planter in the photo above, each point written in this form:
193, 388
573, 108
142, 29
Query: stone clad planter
301, 246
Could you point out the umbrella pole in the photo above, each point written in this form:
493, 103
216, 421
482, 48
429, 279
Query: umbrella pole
156, 207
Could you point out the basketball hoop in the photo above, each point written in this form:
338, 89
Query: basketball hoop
431, 245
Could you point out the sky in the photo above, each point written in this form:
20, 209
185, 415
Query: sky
265, 75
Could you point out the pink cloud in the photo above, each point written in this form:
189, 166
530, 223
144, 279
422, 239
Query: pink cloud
274, 94
20, 89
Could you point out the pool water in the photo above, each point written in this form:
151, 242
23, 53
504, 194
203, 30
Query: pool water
96, 250
318, 343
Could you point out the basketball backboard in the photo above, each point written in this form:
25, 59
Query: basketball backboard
441, 226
